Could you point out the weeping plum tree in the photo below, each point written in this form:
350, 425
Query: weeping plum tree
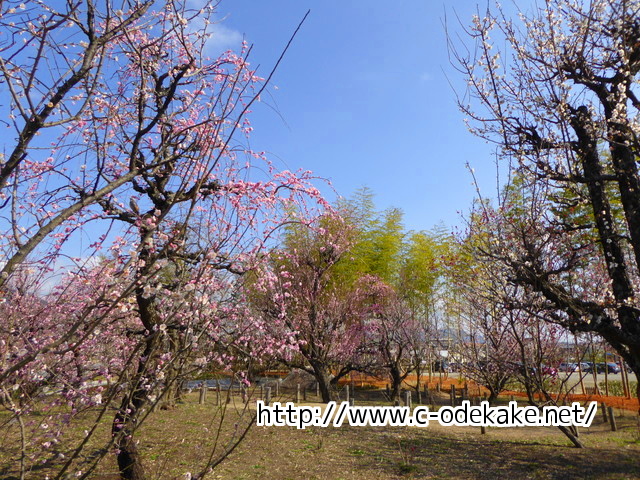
129, 203
303, 301
560, 99
395, 336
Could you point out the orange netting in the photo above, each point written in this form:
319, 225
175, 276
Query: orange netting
445, 381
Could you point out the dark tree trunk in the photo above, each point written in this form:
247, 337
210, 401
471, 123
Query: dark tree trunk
396, 382
129, 461
571, 436
125, 421
123, 428
418, 373
323, 377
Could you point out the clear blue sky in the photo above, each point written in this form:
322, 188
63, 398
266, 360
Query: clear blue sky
363, 98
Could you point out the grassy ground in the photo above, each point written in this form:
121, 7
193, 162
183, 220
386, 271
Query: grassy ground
178, 441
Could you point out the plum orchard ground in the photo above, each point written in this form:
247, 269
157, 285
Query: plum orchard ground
173, 442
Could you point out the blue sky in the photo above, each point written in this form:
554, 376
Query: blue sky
363, 98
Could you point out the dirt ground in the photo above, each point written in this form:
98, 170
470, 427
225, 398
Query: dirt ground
412, 453
367, 453
179, 441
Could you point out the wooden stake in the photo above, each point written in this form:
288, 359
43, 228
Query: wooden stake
612, 419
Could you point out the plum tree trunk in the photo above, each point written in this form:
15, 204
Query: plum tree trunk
323, 377
396, 382
129, 462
